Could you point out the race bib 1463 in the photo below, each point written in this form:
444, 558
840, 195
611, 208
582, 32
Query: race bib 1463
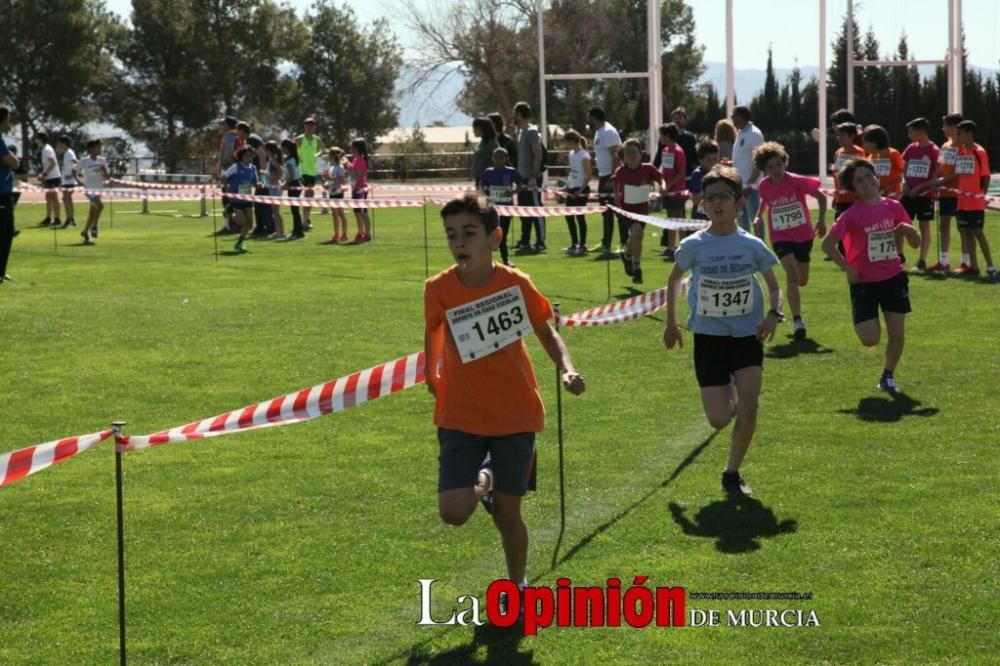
489, 324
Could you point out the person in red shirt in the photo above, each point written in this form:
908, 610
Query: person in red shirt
973, 169
634, 181
672, 162
487, 405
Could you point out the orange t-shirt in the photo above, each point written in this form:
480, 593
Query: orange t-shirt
946, 165
975, 157
891, 184
493, 395
846, 197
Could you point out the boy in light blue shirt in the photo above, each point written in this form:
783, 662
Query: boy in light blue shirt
727, 315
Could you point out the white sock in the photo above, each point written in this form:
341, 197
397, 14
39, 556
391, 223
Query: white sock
965, 259
944, 259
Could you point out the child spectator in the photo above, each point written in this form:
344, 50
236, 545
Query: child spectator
789, 224
708, 157
869, 230
487, 404
336, 177
50, 178
500, 182
673, 167
634, 181
358, 170
274, 174
68, 170
920, 158
293, 184
726, 315
972, 167
94, 169
577, 190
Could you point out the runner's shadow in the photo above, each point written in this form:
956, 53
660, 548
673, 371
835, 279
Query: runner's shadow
794, 348
501, 649
888, 409
737, 523
603, 527
629, 293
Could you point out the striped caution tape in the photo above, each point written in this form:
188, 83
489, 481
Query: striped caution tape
304, 405
24, 462
619, 311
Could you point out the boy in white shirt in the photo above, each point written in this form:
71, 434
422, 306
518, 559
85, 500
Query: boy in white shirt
94, 170
68, 178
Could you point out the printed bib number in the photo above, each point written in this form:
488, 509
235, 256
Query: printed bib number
882, 245
501, 195
881, 167
725, 298
918, 168
787, 216
965, 165
636, 194
246, 188
949, 155
489, 324
667, 160
575, 176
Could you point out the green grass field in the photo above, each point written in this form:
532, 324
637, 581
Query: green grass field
304, 544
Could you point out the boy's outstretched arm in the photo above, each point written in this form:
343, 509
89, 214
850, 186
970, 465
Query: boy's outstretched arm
556, 349
672, 333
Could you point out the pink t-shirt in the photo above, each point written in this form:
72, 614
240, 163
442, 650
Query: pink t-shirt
869, 236
787, 213
360, 167
672, 162
919, 165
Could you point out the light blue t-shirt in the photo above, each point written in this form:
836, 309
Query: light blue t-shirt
725, 298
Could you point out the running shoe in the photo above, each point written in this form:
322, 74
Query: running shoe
921, 265
627, 261
799, 329
636, 276
939, 267
887, 383
734, 484
487, 469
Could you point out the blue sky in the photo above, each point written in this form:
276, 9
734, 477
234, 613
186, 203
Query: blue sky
791, 27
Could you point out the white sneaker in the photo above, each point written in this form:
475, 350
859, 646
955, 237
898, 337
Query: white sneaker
799, 329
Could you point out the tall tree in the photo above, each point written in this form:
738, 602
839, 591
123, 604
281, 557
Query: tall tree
347, 74
163, 96
60, 77
836, 75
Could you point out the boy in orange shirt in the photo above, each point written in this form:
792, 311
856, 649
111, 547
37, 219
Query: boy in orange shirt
487, 406
973, 169
886, 159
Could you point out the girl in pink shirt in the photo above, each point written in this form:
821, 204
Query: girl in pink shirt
783, 195
357, 169
870, 231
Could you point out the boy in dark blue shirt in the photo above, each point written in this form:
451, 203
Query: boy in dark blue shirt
500, 183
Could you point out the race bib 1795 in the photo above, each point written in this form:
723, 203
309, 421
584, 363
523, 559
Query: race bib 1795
787, 216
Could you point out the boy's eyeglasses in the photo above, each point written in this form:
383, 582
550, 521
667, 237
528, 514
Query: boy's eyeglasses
719, 197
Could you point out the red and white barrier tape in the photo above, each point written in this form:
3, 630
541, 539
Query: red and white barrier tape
546, 211
426, 188
671, 223
309, 403
326, 203
23, 462
973, 195
162, 186
614, 313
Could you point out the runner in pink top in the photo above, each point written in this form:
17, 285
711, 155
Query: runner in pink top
783, 195
869, 230
921, 158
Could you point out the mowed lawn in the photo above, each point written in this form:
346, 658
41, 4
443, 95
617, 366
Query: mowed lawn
304, 544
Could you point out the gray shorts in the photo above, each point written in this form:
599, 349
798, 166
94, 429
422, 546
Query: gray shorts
461, 455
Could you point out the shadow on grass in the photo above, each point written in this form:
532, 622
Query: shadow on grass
502, 647
888, 409
603, 527
794, 348
736, 523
